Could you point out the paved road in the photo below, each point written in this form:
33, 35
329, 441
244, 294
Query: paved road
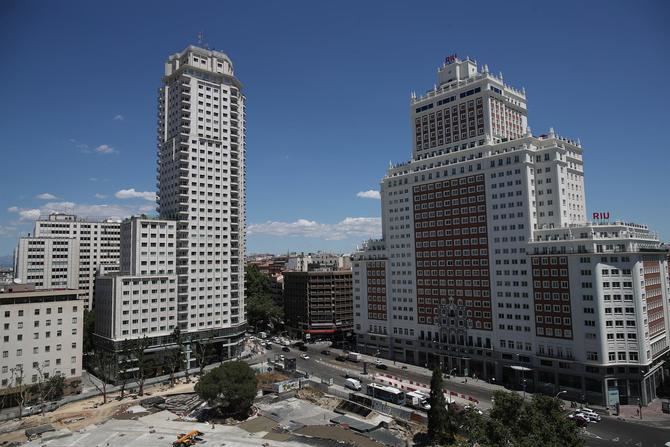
609, 432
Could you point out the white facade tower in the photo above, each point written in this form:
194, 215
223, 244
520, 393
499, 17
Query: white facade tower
201, 185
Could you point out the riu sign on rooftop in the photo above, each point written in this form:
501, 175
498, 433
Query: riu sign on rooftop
450, 59
601, 216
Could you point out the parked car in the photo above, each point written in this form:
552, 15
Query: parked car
286, 349
341, 358
325, 352
381, 366
304, 356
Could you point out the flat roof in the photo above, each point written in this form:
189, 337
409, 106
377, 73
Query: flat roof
40, 293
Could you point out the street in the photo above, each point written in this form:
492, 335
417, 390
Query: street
610, 431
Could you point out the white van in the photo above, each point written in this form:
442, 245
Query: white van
352, 384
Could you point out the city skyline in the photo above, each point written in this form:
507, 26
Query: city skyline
102, 139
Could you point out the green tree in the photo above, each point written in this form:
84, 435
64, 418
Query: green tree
230, 388
89, 329
442, 421
262, 312
516, 422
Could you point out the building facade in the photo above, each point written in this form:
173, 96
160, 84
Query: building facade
313, 261
41, 336
487, 254
196, 283
318, 304
201, 185
141, 299
74, 249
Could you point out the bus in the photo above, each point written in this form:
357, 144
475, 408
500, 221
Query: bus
387, 393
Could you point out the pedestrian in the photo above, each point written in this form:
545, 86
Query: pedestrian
637, 412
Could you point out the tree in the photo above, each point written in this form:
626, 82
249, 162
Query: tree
175, 356
47, 388
143, 362
230, 388
201, 350
89, 329
105, 367
19, 387
124, 360
442, 421
262, 312
516, 422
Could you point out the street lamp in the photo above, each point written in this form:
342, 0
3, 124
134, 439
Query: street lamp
559, 393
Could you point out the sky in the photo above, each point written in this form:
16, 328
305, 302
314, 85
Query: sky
327, 87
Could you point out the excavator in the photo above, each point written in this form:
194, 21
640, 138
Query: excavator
188, 439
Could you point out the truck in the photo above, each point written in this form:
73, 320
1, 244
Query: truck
354, 357
418, 400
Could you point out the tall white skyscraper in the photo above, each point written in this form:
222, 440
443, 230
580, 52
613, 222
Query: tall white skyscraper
201, 185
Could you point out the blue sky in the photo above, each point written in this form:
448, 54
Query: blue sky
327, 86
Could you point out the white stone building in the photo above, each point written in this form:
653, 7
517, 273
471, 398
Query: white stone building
141, 299
48, 262
41, 330
453, 281
92, 243
197, 283
201, 185
320, 260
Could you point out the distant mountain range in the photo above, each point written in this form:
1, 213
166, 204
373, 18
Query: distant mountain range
7, 261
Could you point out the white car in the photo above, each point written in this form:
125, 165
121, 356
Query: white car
590, 414
304, 356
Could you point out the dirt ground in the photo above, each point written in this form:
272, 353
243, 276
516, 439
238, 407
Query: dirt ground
318, 398
91, 411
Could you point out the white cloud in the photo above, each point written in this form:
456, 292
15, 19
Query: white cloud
119, 117
100, 196
349, 227
7, 230
369, 194
101, 211
132, 194
45, 196
105, 149
25, 213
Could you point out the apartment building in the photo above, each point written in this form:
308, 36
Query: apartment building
41, 336
488, 265
141, 299
196, 282
201, 185
47, 262
72, 249
318, 304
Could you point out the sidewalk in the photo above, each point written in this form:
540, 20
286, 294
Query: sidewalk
650, 413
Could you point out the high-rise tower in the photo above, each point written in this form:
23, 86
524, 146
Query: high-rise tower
488, 265
201, 169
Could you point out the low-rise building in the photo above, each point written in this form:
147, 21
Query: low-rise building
42, 336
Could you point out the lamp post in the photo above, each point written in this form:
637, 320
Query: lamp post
559, 393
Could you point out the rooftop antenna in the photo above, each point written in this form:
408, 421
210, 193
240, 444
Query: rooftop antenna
201, 37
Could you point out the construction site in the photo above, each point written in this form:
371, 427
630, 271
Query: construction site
289, 411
